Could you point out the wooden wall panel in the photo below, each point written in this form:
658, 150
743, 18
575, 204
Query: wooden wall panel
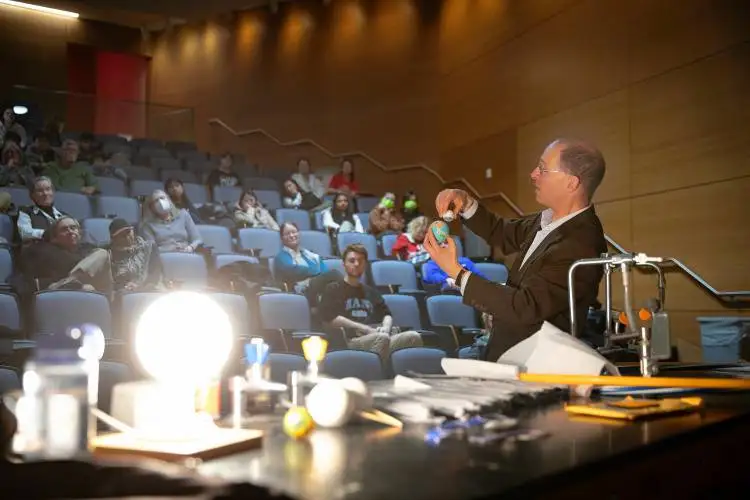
691, 125
659, 87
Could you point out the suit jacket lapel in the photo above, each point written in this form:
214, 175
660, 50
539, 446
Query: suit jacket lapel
552, 238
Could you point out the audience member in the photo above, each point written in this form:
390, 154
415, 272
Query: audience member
136, 265
61, 261
293, 197
352, 305
88, 148
176, 191
476, 350
433, 275
224, 175
410, 207
34, 220
299, 268
344, 180
104, 167
68, 175
409, 245
385, 218
171, 228
307, 181
54, 129
40, 151
248, 212
14, 171
340, 218
8, 123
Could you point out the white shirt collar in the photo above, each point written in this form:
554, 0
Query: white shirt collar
549, 225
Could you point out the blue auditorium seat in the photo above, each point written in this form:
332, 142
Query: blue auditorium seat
96, 231
76, 205
219, 238
131, 306
19, 196
222, 260
266, 240
284, 311
166, 164
449, 310
368, 240
187, 270
476, 247
282, 363
111, 186
9, 380
144, 187
387, 242
6, 228
235, 305
394, 272
58, 310
493, 271
404, 311
364, 218
367, 203
317, 242
226, 194
10, 315
175, 173
117, 206
260, 183
422, 360
136, 173
364, 365
196, 193
299, 217
6, 264
270, 199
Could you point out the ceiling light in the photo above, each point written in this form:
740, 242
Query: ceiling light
39, 8
20, 110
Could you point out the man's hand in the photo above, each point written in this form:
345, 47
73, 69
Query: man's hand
445, 256
458, 198
366, 330
89, 190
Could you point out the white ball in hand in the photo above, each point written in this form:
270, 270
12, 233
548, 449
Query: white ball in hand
449, 216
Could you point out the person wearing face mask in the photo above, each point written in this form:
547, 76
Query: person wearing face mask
248, 212
410, 208
172, 229
136, 265
385, 218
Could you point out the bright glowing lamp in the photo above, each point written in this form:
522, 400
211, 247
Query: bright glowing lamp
183, 339
20, 110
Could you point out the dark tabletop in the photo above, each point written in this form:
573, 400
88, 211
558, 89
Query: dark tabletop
368, 461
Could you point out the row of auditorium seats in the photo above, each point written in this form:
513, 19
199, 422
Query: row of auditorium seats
281, 317
344, 363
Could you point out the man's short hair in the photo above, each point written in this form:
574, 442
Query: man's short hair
357, 248
68, 143
41, 178
585, 162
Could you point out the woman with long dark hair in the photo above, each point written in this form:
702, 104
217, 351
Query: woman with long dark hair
176, 191
344, 180
340, 218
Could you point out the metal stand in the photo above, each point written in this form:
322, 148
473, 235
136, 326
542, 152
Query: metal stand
625, 263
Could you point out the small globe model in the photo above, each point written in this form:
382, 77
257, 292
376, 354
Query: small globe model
440, 231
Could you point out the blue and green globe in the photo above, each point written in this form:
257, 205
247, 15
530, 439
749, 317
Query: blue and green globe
440, 231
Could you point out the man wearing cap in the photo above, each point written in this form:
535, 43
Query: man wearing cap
136, 265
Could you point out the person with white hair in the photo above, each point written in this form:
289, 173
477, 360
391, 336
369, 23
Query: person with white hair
171, 228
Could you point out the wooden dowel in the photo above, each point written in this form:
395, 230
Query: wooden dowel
381, 418
694, 383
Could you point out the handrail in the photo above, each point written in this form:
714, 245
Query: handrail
729, 298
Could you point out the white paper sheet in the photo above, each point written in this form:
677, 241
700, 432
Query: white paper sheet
551, 350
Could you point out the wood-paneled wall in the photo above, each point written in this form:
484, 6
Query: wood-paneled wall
660, 86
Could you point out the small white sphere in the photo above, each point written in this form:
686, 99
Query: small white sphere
330, 404
360, 392
449, 216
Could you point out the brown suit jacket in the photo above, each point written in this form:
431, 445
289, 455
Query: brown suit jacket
537, 292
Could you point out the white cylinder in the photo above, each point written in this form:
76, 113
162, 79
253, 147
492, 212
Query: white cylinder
330, 404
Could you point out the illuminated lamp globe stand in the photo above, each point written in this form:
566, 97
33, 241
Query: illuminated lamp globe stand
182, 340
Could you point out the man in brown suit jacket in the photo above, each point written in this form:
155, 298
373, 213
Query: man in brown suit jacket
547, 243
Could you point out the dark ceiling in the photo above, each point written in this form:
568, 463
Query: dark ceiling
153, 14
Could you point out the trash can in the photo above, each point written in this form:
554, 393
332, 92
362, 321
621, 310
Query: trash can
720, 338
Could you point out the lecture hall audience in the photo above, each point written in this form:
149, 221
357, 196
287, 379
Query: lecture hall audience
224, 174
340, 217
8, 123
344, 180
307, 181
136, 265
14, 169
175, 188
409, 245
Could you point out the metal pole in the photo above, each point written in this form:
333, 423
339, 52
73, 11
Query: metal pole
571, 288
608, 304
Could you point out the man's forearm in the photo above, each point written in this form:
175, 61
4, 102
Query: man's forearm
342, 322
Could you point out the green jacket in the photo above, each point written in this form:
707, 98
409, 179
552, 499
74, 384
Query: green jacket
70, 179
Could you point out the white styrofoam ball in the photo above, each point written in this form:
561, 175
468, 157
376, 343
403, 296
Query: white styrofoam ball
330, 404
449, 216
360, 392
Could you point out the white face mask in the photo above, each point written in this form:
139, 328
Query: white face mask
162, 206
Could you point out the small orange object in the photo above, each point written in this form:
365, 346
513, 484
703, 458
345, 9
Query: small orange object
644, 314
623, 318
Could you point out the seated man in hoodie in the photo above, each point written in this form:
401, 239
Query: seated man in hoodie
61, 261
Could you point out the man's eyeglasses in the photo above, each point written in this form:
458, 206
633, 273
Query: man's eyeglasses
544, 170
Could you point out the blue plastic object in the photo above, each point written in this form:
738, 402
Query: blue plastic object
720, 338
